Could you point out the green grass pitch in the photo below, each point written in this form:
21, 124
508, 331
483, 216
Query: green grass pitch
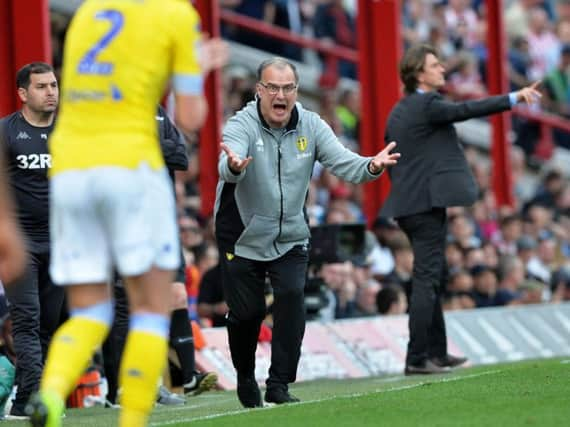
530, 393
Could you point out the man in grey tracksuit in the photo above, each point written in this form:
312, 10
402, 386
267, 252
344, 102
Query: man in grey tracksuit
265, 167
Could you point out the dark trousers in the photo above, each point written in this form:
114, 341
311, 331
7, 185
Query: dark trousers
427, 232
36, 308
114, 345
244, 283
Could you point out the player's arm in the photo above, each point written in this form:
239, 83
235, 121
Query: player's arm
193, 58
12, 253
187, 76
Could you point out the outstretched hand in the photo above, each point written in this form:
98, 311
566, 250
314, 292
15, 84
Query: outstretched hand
214, 54
529, 94
235, 163
384, 159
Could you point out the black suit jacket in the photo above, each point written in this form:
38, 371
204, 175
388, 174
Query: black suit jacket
432, 171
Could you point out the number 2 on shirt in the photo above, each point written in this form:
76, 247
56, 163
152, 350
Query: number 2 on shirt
89, 64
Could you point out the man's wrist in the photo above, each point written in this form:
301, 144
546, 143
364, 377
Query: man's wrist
372, 169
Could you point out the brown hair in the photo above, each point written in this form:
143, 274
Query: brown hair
412, 64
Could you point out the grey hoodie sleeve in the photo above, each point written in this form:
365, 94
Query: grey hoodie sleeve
342, 162
236, 137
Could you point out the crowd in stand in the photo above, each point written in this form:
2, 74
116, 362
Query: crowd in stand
496, 256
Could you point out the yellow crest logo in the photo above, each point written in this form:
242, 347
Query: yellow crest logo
302, 143
229, 256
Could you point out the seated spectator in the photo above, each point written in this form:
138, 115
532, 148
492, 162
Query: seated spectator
401, 275
560, 284
190, 232
484, 286
348, 111
541, 266
391, 300
557, 94
366, 299
211, 304
262, 10
539, 218
454, 256
509, 233
465, 82
533, 291
462, 231
461, 23
338, 278
332, 23
526, 248
474, 257
491, 256
552, 184
386, 231
519, 63
512, 276
415, 17
540, 40
460, 282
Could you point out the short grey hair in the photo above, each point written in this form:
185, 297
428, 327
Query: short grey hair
278, 62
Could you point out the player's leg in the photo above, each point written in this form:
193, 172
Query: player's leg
80, 260
146, 250
182, 341
148, 335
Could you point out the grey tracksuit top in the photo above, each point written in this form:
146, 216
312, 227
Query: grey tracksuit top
260, 212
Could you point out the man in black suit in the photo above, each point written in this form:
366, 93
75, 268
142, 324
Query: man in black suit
431, 175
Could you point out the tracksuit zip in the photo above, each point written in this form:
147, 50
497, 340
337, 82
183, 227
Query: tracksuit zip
280, 194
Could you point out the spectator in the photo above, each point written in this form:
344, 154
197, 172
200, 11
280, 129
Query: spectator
262, 10
348, 111
484, 286
366, 299
461, 23
391, 300
557, 91
401, 275
509, 234
512, 276
560, 284
454, 256
540, 41
211, 303
333, 24
541, 266
462, 231
465, 82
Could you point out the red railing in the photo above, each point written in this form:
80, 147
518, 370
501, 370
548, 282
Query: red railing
547, 122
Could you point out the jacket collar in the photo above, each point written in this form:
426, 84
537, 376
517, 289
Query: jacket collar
291, 125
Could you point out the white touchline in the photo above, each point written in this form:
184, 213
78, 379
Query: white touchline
305, 402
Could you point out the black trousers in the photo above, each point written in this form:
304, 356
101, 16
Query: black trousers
114, 344
427, 232
37, 309
244, 283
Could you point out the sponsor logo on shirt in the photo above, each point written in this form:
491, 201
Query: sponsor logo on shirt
23, 135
